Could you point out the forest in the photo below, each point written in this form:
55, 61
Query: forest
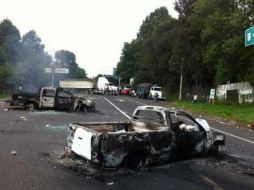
205, 43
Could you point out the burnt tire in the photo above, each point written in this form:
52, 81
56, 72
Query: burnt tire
214, 150
134, 161
92, 108
31, 106
83, 108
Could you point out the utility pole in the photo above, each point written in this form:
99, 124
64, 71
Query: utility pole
181, 82
119, 81
53, 74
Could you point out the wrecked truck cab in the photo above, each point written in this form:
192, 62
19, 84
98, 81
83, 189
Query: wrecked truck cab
82, 104
51, 98
153, 134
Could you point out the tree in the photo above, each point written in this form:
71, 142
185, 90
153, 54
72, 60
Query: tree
184, 7
126, 67
67, 59
9, 41
9, 46
222, 39
31, 64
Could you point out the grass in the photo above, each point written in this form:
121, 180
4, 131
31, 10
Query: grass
4, 95
240, 113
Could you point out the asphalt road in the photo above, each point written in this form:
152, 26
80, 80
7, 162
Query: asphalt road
39, 137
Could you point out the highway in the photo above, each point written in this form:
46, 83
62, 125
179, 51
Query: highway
32, 144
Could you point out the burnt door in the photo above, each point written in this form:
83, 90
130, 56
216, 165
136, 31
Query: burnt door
160, 135
48, 98
161, 143
64, 100
188, 134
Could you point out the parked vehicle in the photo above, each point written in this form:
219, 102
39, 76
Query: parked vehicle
126, 91
153, 134
143, 89
156, 93
104, 86
51, 98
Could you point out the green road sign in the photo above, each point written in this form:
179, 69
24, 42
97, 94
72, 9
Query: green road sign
249, 36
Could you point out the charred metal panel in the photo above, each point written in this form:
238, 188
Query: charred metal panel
113, 142
114, 147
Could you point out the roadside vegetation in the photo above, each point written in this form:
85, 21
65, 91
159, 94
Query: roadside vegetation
205, 43
24, 57
4, 95
241, 113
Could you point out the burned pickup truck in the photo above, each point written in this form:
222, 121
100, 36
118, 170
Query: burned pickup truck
153, 134
51, 98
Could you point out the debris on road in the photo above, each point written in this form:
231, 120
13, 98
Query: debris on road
224, 161
6, 109
23, 118
44, 154
154, 134
110, 183
47, 112
13, 152
56, 127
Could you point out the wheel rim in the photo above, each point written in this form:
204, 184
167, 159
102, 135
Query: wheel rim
31, 107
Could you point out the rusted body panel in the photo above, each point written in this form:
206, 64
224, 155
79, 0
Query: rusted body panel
112, 144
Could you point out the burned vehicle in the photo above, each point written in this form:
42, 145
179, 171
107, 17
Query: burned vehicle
51, 98
153, 134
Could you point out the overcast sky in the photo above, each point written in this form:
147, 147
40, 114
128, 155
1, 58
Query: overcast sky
94, 30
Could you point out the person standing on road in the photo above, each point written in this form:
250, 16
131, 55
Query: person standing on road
195, 98
155, 97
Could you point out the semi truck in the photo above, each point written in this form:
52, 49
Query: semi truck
102, 86
77, 84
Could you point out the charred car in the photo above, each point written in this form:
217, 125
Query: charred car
153, 134
51, 98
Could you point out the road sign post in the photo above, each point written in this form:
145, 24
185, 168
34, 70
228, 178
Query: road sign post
54, 71
249, 36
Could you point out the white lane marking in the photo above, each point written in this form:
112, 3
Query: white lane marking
121, 100
211, 182
122, 112
223, 132
229, 134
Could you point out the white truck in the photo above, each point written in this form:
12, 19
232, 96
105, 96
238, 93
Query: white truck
153, 134
156, 93
104, 87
